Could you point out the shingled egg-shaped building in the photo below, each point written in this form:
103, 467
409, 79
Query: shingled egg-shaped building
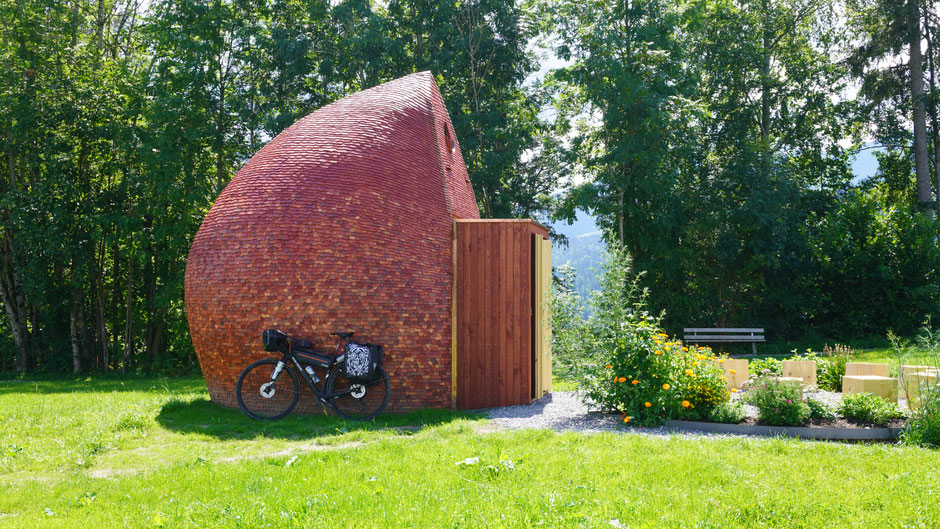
343, 222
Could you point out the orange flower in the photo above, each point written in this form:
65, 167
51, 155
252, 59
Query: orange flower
622, 379
635, 382
658, 352
666, 386
647, 404
686, 404
615, 379
626, 419
609, 366
732, 371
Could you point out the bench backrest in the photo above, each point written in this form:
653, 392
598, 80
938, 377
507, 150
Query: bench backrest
706, 334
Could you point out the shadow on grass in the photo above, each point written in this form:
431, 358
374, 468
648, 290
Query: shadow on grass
207, 418
102, 384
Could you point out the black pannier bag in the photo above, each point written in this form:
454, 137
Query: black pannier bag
274, 340
361, 361
303, 352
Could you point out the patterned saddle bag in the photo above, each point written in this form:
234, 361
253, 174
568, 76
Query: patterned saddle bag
361, 360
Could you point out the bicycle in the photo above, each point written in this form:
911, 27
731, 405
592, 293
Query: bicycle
264, 393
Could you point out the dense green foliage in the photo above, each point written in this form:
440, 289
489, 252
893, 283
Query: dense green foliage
122, 120
869, 408
154, 452
778, 402
622, 361
712, 139
923, 426
728, 413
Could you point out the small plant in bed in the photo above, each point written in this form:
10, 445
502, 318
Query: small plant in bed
779, 403
923, 428
870, 409
819, 411
727, 413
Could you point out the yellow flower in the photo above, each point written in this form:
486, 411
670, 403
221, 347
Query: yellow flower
686, 404
724, 378
622, 379
696, 363
734, 390
609, 366
732, 371
721, 360
664, 335
647, 404
686, 349
699, 357
635, 382
689, 372
666, 386
626, 418
657, 352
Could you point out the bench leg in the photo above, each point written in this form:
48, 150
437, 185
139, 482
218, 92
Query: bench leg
753, 348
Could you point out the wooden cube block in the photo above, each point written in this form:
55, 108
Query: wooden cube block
884, 387
914, 384
804, 369
861, 368
740, 368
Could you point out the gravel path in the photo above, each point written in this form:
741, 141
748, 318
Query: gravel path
564, 411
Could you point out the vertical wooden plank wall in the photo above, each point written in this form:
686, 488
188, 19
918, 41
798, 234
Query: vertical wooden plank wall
495, 279
543, 323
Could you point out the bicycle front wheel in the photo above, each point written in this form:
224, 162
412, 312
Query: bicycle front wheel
264, 398
355, 400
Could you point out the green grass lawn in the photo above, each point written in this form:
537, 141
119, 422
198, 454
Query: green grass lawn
152, 452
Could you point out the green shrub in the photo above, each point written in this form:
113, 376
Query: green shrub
631, 366
819, 411
727, 413
870, 408
779, 403
923, 428
771, 365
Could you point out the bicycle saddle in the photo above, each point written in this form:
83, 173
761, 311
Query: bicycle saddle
342, 335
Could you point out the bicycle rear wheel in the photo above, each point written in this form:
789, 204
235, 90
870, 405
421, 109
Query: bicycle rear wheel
265, 399
358, 401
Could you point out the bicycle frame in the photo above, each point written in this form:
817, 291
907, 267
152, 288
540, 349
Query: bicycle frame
322, 395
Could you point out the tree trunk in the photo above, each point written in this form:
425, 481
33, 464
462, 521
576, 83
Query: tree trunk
74, 331
102, 328
129, 316
921, 168
932, 109
15, 305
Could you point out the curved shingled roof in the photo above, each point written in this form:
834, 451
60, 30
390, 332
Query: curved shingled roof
341, 222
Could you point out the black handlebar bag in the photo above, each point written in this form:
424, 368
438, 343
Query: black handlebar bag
361, 361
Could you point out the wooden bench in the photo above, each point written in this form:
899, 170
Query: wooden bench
718, 335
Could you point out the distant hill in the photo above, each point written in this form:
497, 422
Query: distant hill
585, 252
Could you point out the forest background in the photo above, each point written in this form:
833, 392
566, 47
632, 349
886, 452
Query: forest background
712, 138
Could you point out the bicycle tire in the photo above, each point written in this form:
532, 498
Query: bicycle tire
363, 408
252, 385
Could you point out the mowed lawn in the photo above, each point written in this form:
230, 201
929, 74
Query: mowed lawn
154, 452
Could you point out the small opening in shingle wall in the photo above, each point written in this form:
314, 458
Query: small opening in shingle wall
447, 139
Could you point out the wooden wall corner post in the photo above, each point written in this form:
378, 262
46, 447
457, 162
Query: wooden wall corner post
453, 321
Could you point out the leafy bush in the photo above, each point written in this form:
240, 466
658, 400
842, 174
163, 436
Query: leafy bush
819, 411
727, 413
923, 428
779, 403
831, 366
870, 408
567, 325
626, 363
772, 365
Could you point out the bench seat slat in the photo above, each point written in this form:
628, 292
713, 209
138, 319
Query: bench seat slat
718, 330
